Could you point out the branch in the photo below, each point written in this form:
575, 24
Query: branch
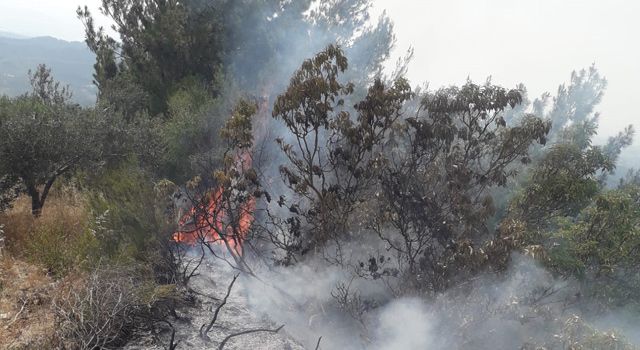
318, 344
15, 318
224, 342
173, 345
61, 170
215, 314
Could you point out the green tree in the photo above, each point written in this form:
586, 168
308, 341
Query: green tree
43, 136
254, 43
601, 246
562, 182
161, 43
569, 170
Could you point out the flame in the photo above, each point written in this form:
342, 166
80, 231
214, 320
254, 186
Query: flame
208, 221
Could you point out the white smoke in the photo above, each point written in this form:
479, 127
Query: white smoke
405, 324
526, 305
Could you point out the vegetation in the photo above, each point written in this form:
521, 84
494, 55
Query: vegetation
436, 189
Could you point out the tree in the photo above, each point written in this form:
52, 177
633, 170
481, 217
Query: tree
600, 247
161, 43
330, 152
419, 179
44, 137
224, 196
254, 43
561, 184
573, 116
566, 172
433, 199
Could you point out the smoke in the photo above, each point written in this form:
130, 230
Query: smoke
526, 306
405, 324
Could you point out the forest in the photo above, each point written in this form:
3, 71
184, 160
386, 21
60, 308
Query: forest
250, 176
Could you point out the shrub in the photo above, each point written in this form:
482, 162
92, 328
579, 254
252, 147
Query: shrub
103, 308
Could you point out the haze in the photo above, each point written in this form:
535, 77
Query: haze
537, 43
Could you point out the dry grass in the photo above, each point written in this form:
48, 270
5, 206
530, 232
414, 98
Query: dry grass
37, 249
59, 240
55, 289
26, 318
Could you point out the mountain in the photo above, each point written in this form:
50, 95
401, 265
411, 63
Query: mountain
6, 34
71, 63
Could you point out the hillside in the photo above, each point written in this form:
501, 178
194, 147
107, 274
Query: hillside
71, 62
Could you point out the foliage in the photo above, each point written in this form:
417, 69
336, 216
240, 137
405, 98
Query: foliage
131, 216
161, 43
419, 182
164, 43
601, 246
576, 226
422, 177
44, 137
189, 133
224, 198
562, 183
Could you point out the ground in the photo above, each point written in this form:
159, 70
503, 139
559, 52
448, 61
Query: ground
211, 285
26, 320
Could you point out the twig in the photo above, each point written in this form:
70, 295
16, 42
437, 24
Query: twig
215, 314
224, 342
173, 345
15, 318
318, 344
196, 292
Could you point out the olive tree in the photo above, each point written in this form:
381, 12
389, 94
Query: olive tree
43, 136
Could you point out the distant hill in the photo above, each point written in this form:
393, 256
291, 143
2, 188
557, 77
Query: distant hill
71, 63
6, 34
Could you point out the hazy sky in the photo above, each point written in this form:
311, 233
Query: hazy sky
537, 42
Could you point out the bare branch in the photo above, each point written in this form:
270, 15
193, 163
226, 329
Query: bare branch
224, 342
203, 334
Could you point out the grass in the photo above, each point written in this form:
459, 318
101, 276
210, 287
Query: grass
59, 240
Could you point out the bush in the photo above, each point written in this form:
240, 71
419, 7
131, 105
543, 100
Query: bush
134, 218
103, 308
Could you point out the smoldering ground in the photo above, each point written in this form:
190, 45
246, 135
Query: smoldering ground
526, 306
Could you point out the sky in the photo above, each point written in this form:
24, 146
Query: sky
535, 42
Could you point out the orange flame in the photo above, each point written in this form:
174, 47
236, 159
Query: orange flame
209, 222
208, 219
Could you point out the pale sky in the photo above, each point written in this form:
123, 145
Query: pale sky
536, 42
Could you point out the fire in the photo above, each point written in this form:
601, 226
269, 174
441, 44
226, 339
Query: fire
211, 221
208, 221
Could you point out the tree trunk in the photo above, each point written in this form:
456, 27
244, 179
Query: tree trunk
36, 204
37, 198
